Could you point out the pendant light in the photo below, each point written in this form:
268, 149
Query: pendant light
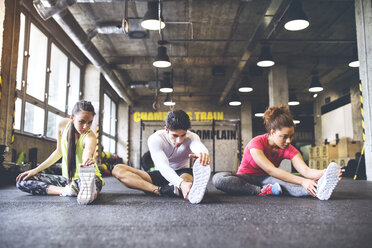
296, 17
245, 86
293, 100
315, 84
151, 19
265, 59
235, 100
166, 85
168, 100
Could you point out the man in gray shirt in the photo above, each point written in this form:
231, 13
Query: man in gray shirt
171, 150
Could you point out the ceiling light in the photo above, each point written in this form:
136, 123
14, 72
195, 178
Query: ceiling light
354, 61
151, 18
162, 59
265, 59
315, 85
259, 114
315, 95
166, 85
296, 17
168, 100
235, 100
293, 100
296, 122
245, 86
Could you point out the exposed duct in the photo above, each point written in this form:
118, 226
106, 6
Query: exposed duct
136, 31
68, 23
148, 85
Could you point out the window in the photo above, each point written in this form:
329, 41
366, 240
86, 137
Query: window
109, 124
48, 81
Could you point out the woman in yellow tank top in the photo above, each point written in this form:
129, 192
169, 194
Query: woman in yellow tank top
75, 144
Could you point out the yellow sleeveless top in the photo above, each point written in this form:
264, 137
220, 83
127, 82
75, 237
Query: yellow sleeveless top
79, 154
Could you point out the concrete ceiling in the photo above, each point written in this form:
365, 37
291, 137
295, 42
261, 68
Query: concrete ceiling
228, 34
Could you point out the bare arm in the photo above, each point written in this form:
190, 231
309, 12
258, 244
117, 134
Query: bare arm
54, 157
199, 150
300, 165
265, 164
89, 143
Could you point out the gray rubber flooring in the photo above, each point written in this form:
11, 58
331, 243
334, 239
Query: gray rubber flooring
128, 218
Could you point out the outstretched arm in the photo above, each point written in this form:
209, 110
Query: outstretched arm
90, 142
54, 157
265, 164
199, 150
300, 165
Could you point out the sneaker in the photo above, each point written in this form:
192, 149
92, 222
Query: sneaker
327, 183
87, 185
167, 190
201, 176
271, 189
70, 189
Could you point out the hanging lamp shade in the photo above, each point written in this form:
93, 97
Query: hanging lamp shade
151, 19
315, 84
235, 100
259, 114
265, 59
168, 100
354, 61
162, 59
293, 100
296, 17
245, 86
166, 85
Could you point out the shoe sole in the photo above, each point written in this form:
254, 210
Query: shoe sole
87, 189
329, 183
201, 175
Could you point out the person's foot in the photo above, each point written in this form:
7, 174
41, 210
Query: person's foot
70, 189
87, 185
201, 176
169, 190
327, 183
271, 189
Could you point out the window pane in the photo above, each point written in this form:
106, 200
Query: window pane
20, 52
105, 143
18, 112
106, 113
112, 146
73, 91
53, 119
57, 79
113, 119
34, 119
37, 63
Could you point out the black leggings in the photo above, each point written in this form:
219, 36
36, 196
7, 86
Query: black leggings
38, 184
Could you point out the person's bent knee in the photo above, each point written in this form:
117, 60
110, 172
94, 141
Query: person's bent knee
219, 179
119, 170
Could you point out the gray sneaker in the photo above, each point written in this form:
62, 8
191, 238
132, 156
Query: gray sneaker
327, 183
70, 189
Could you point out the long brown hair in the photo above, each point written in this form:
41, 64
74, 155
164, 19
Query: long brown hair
276, 117
71, 145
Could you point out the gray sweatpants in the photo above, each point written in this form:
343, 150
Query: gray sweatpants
245, 184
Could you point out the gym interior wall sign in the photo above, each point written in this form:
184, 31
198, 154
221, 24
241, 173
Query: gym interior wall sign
219, 134
194, 116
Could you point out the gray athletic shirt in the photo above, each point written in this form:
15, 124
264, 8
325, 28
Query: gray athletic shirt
168, 158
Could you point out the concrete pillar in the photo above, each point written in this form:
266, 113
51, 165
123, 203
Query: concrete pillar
363, 20
123, 130
9, 37
246, 121
278, 85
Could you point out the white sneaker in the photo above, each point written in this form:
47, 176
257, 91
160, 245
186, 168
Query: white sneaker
327, 183
87, 185
70, 189
201, 176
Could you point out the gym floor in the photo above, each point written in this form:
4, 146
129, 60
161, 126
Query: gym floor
123, 217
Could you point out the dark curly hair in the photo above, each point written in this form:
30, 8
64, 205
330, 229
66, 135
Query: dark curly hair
177, 119
276, 117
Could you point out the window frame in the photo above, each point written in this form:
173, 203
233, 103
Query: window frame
21, 93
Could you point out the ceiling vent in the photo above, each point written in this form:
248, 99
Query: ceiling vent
136, 31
